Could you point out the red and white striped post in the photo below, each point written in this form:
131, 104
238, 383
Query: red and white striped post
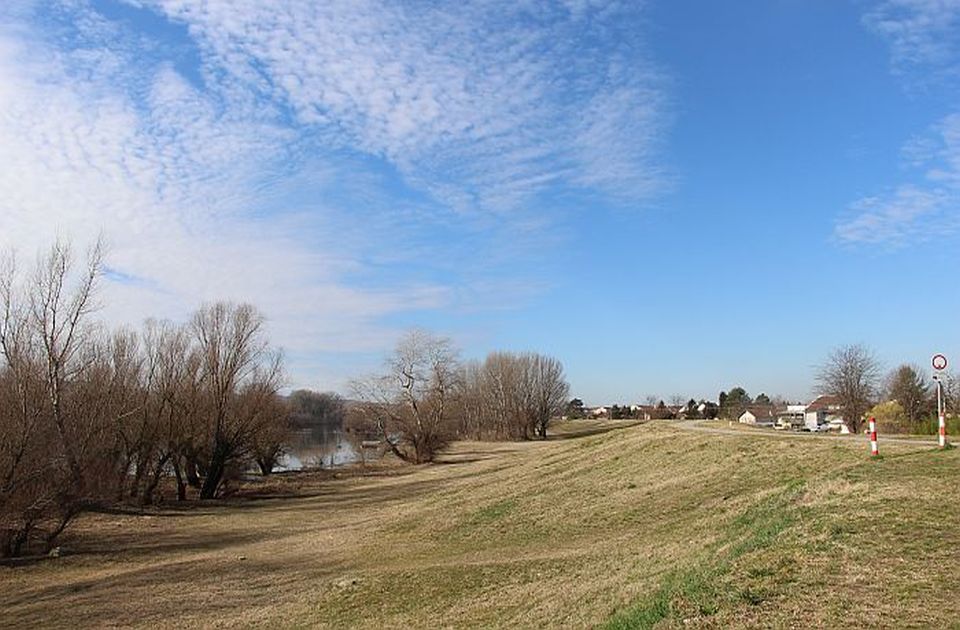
940, 414
943, 431
873, 437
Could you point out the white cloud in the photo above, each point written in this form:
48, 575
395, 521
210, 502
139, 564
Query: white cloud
908, 214
920, 32
914, 212
482, 103
923, 40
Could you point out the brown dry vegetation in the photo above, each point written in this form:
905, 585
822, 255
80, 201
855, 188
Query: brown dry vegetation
627, 528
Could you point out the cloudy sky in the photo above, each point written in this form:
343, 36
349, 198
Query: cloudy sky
672, 197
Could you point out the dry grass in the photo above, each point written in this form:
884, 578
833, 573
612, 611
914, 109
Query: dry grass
628, 528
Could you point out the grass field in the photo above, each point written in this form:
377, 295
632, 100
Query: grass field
634, 527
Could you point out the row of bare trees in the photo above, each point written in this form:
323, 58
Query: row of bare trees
91, 416
511, 396
427, 397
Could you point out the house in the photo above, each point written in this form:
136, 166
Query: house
759, 415
791, 417
824, 411
599, 412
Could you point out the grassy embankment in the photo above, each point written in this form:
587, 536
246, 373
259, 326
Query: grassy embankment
627, 528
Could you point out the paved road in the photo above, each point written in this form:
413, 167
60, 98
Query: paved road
696, 425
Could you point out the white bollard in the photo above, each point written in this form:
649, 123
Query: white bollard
874, 451
943, 431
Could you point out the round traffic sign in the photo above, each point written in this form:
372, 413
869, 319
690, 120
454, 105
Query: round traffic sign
939, 362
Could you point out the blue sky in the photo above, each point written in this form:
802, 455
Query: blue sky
671, 197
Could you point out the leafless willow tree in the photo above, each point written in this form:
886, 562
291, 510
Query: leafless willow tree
852, 374
412, 403
240, 376
61, 397
272, 440
168, 425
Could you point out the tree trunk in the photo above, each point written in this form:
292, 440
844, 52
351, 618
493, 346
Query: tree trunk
215, 470
137, 476
181, 485
400, 454
147, 497
122, 480
17, 539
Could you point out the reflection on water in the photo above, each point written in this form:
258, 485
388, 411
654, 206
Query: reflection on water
318, 447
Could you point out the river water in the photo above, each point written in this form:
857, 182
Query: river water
318, 447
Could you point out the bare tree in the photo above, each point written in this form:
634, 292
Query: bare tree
61, 397
271, 442
503, 386
170, 390
549, 391
412, 403
471, 407
851, 373
239, 379
109, 397
28, 471
57, 315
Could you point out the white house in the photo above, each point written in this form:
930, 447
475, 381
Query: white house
824, 410
760, 415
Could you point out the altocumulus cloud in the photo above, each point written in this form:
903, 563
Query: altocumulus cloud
482, 103
182, 130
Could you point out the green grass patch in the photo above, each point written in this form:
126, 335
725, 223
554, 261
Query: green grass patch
494, 512
700, 590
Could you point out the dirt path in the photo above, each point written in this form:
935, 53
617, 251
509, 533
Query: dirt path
697, 425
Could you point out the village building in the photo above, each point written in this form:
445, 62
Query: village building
824, 412
759, 415
791, 417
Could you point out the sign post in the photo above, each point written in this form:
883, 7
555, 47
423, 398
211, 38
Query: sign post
939, 365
